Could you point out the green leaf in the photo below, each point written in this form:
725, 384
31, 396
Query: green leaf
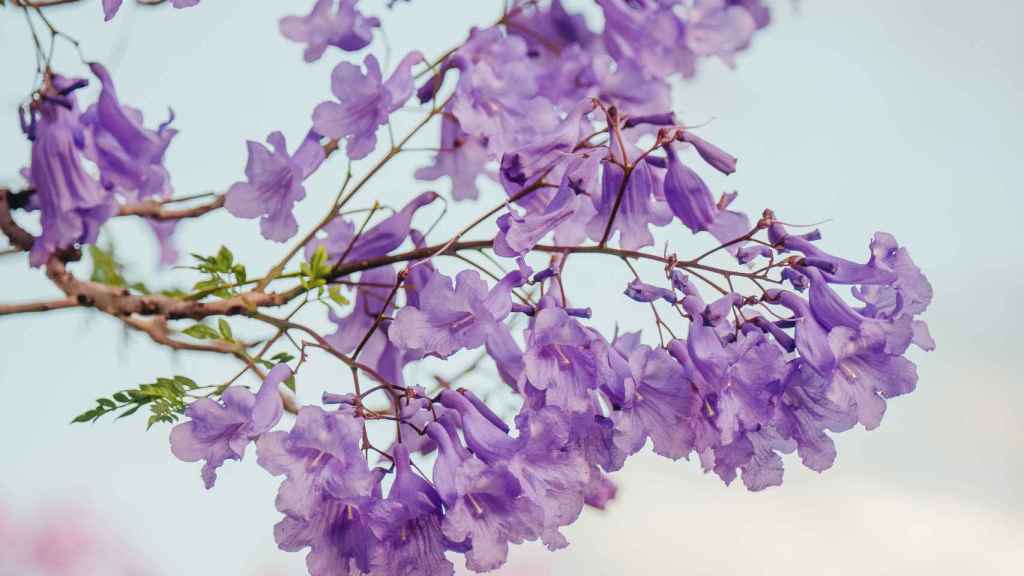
84, 417
225, 260
334, 291
202, 332
282, 358
290, 382
225, 330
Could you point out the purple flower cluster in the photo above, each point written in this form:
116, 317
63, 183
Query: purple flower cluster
128, 157
773, 352
514, 77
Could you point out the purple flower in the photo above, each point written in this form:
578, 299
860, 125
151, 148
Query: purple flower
110, 7
713, 155
805, 413
866, 375
664, 38
560, 364
484, 504
365, 102
274, 184
658, 403
330, 24
129, 156
553, 473
642, 292
375, 287
328, 493
496, 100
638, 208
408, 525
73, 205
452, 318
461, 157
375, 241
687, 194
219, 431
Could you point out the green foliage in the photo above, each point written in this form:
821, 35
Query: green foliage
107, 270
314, 274
165, 398
335, 293
202, 332
224, 275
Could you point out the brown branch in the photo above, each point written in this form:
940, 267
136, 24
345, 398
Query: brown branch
156, 210
158, 331
120, 302
6, 309
17, 235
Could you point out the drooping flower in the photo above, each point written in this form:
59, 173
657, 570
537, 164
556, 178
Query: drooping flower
687, 195
365, 101
129, 155
331, 23
274, 184
328, 493
73, 205
484, 505
628, 203
219, 431
408, 524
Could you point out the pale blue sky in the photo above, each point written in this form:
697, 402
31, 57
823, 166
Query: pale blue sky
897, 116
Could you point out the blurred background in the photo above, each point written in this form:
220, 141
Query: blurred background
877, 115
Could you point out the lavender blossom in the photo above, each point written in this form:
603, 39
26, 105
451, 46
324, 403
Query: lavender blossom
328, 494
110, 7
274, 184
330, 23
129, 156
221, 431
453, 318
72, 204
365, 102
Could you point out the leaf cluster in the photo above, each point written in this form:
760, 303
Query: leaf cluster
224, 275
166, 400
317, 272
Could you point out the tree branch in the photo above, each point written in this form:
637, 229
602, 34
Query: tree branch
6, 309
156, 210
